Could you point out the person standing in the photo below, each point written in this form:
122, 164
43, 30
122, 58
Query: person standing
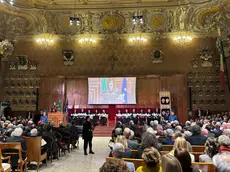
172, 116
87, 135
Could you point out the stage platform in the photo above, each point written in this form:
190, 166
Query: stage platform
103, 131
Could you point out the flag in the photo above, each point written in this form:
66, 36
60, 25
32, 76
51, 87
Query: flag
124, 91
66, 109
59, 106
223, 66
103, 85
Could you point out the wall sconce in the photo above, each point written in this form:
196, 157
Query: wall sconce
45, 40
183, 38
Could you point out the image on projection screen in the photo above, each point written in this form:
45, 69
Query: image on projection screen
119, 90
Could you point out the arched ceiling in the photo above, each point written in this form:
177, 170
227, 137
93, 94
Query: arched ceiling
27, 18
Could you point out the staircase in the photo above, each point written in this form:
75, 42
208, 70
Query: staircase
103, 131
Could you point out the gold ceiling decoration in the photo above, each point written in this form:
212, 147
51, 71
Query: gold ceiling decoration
28, 18
112, 21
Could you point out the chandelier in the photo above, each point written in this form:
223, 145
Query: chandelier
45, 40
183, 38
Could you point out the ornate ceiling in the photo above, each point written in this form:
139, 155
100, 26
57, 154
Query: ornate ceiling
107, 18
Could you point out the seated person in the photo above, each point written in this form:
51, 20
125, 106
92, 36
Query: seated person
114, 166
224, 143
127, 151
49, 136
132, 144
152, 160
180, 142
185, 160
16, 137
148, 140
117, 152
211, 149
168, 134
196, 138
34, 133
170, 164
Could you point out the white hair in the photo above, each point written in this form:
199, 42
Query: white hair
118, 148
34, 132
224, 140
17, 132
131, 134
187, 123
127, 132
187, 134
168, 132
179, 128
226, 132
150, 130
118, 131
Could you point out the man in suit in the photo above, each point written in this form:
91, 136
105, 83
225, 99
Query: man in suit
198, 113
196, 138
87, 135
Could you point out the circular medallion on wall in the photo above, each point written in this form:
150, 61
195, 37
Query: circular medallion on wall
157, 21
112, 22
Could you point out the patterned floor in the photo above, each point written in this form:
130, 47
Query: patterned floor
76, 161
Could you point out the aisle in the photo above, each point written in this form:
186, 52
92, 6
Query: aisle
76, 161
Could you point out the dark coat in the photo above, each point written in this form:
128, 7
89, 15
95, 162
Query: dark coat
197, 140
87, 132
14, 159
133, 145
168, 141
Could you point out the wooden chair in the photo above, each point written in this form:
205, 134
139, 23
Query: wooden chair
194, 148
198, 148
196, 154
204, 167
134, 153
5, 147
137, 162
34, 150
167, 147
4, 167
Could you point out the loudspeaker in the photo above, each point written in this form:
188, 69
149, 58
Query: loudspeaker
37, 95
190, 98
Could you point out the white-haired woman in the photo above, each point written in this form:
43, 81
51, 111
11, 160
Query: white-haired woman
16, 136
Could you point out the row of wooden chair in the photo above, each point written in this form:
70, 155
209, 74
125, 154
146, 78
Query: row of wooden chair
17, 151
196, 154
194, 148
204, 167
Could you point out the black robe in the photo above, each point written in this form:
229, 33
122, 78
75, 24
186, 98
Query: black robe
87, 132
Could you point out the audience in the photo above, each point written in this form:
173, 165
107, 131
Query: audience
152, 159
133, 145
